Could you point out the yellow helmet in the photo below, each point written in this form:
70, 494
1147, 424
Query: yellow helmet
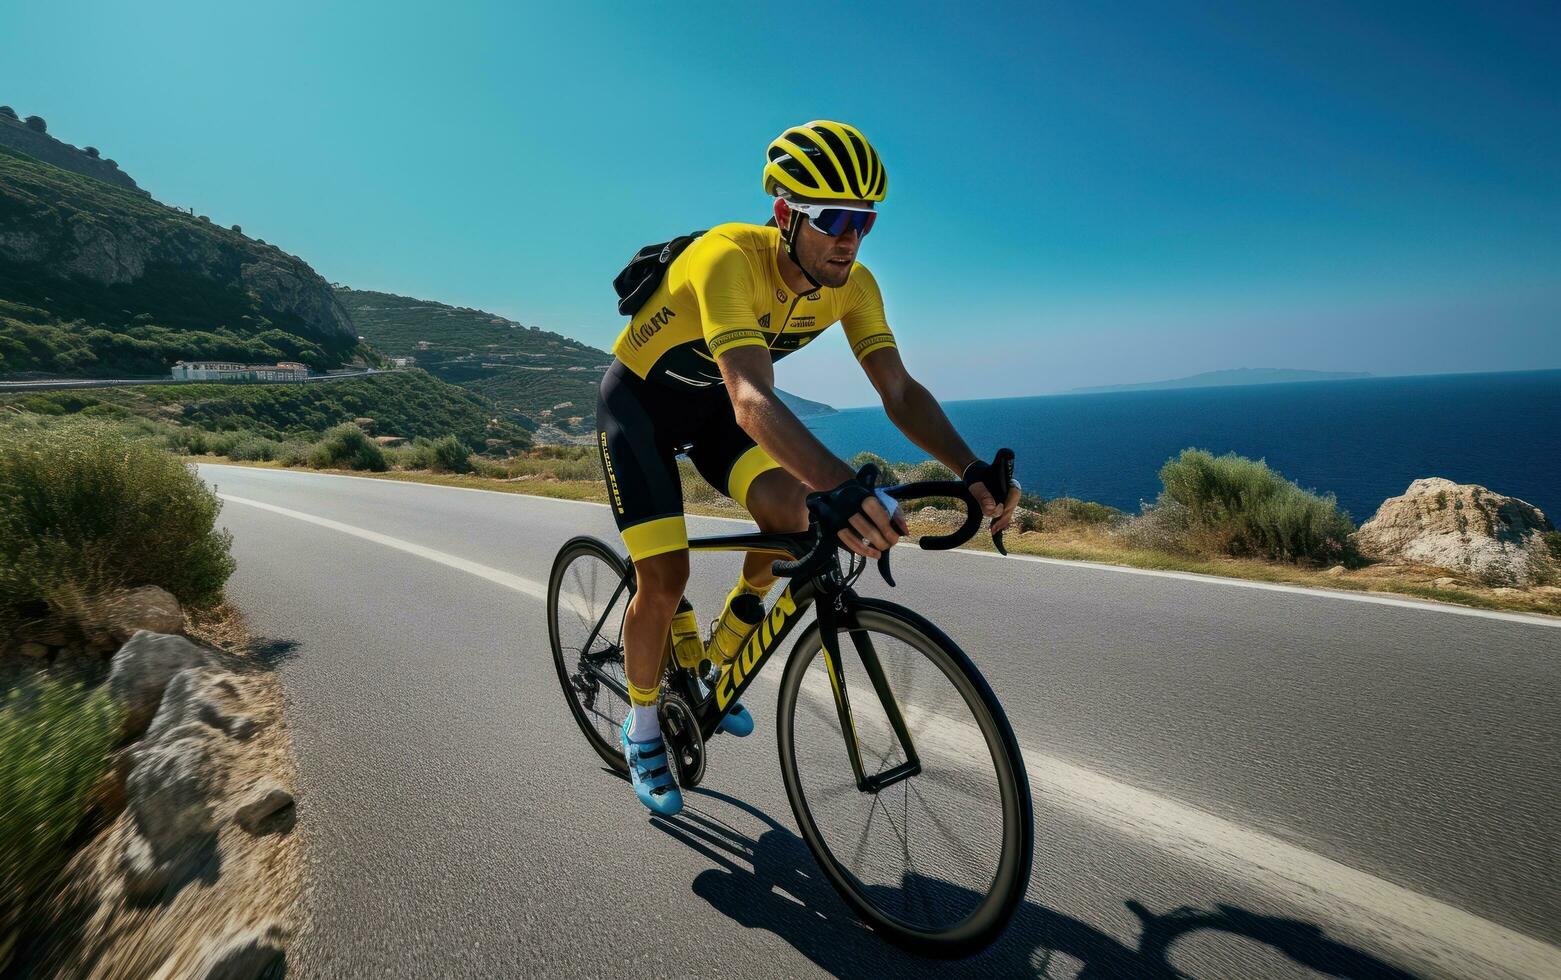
825, 161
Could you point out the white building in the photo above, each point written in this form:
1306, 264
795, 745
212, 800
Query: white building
233, 371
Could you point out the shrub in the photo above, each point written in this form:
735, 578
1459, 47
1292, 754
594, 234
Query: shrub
54, 747
91, 151
7, 112
1553, 542
929, 469
36, 124
293, 453
1242, 507
450, 456
347, 446
85, 509
1075, 511
253, 448
1162, 526
887, 473
237, 229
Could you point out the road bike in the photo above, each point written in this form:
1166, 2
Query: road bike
909, 789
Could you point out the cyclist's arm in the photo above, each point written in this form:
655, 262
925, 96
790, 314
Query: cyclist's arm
750, 380
916, 413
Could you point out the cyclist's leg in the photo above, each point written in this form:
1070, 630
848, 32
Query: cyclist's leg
777, 501
731, 461
647, 500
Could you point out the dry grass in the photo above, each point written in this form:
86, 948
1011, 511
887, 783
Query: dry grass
1082, 540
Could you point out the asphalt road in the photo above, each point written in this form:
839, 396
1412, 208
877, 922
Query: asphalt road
1229, 781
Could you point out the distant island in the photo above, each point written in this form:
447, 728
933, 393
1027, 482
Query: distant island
1229, 378
802, 407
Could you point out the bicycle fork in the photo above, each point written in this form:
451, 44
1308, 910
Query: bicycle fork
828, 618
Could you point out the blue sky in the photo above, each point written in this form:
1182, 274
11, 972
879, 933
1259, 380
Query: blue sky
1079, 194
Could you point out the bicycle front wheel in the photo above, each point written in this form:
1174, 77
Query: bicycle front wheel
936, 861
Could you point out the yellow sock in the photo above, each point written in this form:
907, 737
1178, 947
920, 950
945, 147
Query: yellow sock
643, 697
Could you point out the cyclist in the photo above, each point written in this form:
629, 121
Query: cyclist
693, 371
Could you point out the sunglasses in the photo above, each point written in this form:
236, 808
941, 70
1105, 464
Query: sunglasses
833, 221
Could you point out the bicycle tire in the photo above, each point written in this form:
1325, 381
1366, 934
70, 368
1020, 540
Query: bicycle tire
1011, 879
576, 549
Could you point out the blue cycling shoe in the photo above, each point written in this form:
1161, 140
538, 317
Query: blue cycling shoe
737, 721
650, 773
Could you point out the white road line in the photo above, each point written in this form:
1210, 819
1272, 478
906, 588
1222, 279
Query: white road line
509, 580
1554, 622
1471, 945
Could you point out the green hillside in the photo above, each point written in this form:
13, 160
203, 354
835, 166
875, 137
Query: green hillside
404, 403
98, 280
522, 369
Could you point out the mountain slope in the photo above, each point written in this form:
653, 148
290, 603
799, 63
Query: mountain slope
523, 369
1227, 378
537, 373
100, 280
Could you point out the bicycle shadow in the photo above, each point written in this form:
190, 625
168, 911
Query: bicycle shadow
774, 884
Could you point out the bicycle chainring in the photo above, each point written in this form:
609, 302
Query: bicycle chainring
680, 730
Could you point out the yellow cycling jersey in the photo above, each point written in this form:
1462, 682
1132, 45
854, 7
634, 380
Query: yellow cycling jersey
724, 292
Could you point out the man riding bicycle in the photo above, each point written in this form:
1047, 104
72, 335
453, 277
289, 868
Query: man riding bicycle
693, 372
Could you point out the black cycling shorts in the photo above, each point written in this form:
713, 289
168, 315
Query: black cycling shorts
641, 427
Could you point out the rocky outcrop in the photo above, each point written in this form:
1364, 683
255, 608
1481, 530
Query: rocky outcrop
171, 797
141, 671
53, 228
1465, 528
20, 137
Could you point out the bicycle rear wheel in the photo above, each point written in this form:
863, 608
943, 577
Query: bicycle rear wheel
937, 861
587, 594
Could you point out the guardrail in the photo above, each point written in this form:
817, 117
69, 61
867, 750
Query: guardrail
58, 384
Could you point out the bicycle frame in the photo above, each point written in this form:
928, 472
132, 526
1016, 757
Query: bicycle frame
779, 619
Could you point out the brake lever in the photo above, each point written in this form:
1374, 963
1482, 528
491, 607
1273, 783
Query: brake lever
883, 568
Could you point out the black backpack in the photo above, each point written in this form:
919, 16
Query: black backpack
646, 270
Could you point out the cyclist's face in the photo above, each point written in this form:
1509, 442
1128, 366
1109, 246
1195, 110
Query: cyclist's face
828, 259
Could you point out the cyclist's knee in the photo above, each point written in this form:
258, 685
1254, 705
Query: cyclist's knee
778, 502
661, 579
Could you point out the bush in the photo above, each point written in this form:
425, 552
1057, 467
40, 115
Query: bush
36, 124
293, 453
929, 469
450, 456
54, 747
1241, 507
85, 509
887, 473
253, 448
1075, 511
1553, 542
7, 112
238, 229
91, 151
347, 446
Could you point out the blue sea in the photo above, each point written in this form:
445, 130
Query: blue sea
1361, 440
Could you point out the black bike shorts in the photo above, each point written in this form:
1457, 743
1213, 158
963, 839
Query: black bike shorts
641, 427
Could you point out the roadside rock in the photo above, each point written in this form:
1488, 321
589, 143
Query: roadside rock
1464, 528
203, 697
244, 956
122, 612
169, 798
141, 670
1336, 571
266, 799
